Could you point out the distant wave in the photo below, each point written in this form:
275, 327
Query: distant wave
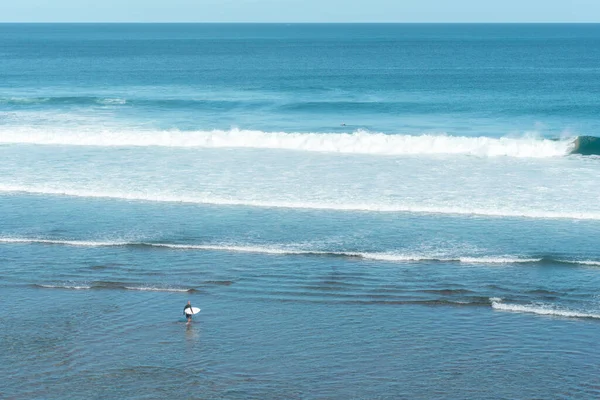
296, 250
359, 142
114, 285
339, 206
541, 309
172, 103
65, 286
71, 100
83, 243
158, 289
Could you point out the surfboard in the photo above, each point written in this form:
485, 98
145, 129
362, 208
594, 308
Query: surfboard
192, 311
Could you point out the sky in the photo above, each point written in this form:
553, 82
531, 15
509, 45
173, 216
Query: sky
300, 11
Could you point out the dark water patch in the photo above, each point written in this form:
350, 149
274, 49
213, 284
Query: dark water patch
108, 285
545, 292
339, 284
220, 283
390, 289
394, 107
99, 267
498, 288
586, 146
324, 288
473, 302
104, 267
446, 292
163, 103
432, 302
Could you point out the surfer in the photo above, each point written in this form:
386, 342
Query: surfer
188, 316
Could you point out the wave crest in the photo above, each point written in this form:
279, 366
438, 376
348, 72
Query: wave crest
391, 256
541, 309
359, 142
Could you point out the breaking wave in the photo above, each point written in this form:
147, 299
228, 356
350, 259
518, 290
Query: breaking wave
541, 309
359, 142
586, 145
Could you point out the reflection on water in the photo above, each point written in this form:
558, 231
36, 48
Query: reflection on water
192, 332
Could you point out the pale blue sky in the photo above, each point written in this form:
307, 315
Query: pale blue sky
300, 11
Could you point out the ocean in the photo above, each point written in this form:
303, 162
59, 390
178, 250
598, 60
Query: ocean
361, 211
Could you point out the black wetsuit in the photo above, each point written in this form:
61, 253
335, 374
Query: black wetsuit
185, 308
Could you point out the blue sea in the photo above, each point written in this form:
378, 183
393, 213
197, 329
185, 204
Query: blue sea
361, 211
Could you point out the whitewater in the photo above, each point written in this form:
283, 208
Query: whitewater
359, 142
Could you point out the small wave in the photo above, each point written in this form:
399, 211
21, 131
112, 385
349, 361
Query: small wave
24, 100
582, 262
358, 142
466, 260
83, 243
233, 248
115, 101
296, 250
282, 250
158, 289
541, 309
114, 285
62, 100
73, 287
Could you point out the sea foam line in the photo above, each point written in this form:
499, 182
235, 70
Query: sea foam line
540, 310
297, 250
74, 287
156, 289
359, 142
213, 200
82, 243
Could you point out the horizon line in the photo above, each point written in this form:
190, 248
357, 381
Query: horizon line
316, 22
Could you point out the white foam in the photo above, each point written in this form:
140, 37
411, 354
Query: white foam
541, 309
497, 260
317, 205
243, 249
62, 242
24, 100
110, 101
75, 287
584, 262
444, 258
156, 289
359, 142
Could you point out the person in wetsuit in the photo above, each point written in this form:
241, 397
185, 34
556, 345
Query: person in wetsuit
188, 316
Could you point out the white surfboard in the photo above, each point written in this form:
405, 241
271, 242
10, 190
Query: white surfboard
192, 311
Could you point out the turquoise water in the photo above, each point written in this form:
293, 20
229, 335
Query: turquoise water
360, 211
